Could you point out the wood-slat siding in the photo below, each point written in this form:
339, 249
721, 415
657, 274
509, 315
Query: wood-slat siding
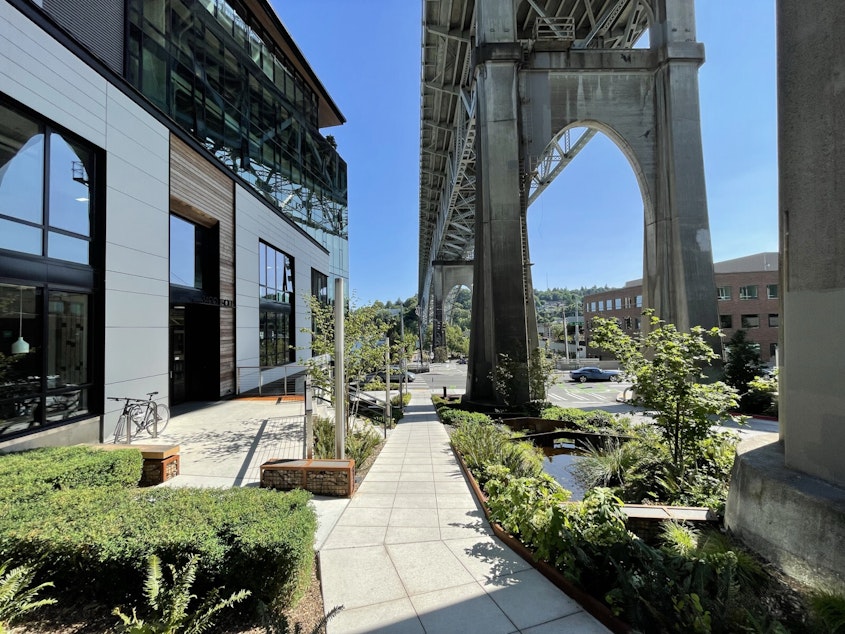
203, 194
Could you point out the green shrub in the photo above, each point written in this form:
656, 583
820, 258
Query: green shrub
360, 445
324, 437
482, 443
29, 474
452, 416
95, 540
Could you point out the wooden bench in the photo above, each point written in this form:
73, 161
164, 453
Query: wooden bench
161, 462
320, 477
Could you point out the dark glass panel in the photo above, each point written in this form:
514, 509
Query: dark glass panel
21, 166
64, 247
154, 73
71, 166
68, 339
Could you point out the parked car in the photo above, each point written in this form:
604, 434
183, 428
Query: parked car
595, 374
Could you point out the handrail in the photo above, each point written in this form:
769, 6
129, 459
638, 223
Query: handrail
297, 368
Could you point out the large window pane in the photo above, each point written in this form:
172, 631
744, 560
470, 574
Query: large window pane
185, 253
21, 166
70, 199
19, 237
68, 248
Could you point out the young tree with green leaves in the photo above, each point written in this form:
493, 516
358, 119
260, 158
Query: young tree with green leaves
365, 330
666, 366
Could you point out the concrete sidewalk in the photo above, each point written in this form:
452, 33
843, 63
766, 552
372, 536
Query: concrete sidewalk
411, 551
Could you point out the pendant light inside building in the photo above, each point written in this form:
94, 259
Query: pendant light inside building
20, 346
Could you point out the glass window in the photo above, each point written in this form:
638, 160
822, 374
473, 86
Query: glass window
639, 301
70, 198
618, 303
627, 302
723, 293
15, 236
772, 291
748, 292
185, 253
774, 320
21, 167
751, 321
42, 381
320, 286
22, 189
627, 323
726, 321
276, 328
64, 247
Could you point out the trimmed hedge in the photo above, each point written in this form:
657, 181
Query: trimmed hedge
36, 472
72, 509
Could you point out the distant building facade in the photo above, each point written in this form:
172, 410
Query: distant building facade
167, 201
748, 299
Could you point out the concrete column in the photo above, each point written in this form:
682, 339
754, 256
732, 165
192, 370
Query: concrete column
498, 306
811, 141
787, 499
678, 277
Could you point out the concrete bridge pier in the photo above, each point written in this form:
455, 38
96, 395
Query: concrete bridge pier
447, 275
503, 317
787, 498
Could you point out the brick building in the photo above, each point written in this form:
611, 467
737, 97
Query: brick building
748, 299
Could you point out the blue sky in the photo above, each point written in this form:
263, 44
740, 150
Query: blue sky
586, 228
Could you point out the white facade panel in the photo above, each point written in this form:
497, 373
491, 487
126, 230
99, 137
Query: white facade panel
39, 72
256, 223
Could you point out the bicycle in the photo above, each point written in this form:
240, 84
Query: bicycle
140, 415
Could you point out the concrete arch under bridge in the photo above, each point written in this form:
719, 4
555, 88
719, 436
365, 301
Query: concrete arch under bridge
448, 276
529, 92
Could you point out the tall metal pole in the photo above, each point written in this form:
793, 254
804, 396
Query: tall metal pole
576, 329
388, 416
339, 379
565, 334
402, 364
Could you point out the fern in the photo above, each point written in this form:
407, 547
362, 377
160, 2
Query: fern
17, 595
171, 605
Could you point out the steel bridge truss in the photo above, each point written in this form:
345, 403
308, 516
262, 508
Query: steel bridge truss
448, 110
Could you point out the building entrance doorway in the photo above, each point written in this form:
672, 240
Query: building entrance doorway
194, 353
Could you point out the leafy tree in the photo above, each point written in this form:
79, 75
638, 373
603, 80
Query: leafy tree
742, 367
456, 341
365, 329
666, 368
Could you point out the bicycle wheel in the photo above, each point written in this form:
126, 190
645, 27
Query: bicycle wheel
120, 429
163, 415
